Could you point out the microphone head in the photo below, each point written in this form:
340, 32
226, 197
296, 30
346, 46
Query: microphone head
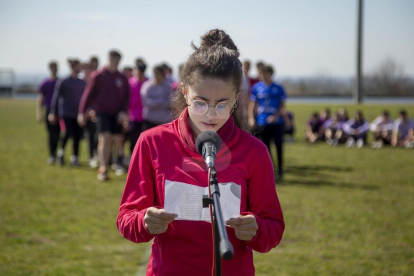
208, 137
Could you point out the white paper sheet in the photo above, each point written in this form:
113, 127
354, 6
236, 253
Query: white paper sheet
185, 200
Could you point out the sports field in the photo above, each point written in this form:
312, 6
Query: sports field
347, 211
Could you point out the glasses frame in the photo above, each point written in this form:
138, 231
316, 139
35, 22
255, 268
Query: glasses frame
234, 106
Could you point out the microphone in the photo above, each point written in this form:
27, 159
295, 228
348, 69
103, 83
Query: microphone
208, 143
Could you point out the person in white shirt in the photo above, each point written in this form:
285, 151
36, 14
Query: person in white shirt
382, 127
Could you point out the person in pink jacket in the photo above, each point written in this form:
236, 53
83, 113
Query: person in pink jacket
165, 159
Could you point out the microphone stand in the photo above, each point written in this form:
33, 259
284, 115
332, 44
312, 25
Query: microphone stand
222, 245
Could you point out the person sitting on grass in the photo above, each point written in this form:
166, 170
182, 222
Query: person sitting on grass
356, 130
313, 128
289, 124
403, 133
333, 128
381, 127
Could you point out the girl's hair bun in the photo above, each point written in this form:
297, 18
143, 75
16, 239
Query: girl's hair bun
217, 37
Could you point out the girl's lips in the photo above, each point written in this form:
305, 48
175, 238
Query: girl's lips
209, 125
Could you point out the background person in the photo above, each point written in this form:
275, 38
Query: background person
269, 98
107, 92
403, 132
65, 104
382, 127
45, 100
356, 130
136, 118
156, 100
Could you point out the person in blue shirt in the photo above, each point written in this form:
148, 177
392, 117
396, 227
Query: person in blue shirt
267, 102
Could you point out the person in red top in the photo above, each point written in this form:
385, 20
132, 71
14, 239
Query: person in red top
107, 93
166, 155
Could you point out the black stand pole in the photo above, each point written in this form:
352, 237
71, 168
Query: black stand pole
222, 245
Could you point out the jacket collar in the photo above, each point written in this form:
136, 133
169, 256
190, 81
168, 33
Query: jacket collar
226, 132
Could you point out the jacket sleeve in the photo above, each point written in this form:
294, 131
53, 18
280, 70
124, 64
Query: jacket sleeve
138, 195
88, 94
264, 205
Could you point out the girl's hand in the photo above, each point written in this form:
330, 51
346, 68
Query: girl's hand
157, 220
245, 227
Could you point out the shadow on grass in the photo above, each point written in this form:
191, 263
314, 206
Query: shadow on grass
309, 182
314, 170
303, 173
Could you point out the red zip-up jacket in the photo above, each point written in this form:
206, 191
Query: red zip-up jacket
168, 152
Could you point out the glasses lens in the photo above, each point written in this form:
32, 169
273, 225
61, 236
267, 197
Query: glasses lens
199, 107
223, 109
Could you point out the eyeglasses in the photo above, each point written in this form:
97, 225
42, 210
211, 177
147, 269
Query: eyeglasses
200, 107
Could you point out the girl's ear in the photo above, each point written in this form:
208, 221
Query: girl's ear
183, 89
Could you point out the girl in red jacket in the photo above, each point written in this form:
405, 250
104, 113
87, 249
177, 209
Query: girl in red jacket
166, 156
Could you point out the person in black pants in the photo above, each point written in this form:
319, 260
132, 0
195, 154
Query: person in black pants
267, 101
65, 103
45, 100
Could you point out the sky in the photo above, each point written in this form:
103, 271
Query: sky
299, 38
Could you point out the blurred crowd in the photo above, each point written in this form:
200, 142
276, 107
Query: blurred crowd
340, 129
110, 108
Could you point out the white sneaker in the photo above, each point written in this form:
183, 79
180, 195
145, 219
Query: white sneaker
329, 141
120, 170
74, 161
51, 160
335, 142
93, 163
360, 143
350, 142
409, 145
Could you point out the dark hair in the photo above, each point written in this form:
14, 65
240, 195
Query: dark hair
217, 57
246, 62
141, 65
361, 115
315, 114
386, 113
268, 69
159, 69
52, 63
403, 112
94, 59
73, 62
114, 53
260, 64
127, 68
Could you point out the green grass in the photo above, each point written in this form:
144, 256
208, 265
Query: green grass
347, 211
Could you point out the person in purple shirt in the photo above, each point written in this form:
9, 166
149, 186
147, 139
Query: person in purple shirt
65, 103
135, 103
403, 132
107, 92
44, 100
356, 130
313, 127
156, 100
333, 128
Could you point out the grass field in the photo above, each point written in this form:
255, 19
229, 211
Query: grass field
347, 211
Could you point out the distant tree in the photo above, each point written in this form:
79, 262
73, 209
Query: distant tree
388, 79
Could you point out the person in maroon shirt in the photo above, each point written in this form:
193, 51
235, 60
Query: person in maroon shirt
107, 92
